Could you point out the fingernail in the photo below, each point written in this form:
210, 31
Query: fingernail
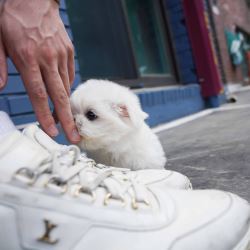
75, 136
53, 131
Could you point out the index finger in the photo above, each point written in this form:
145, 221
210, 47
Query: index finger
61, 102
36, 90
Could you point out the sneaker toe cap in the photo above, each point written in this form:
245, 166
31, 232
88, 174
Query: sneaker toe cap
219, 221
164, 179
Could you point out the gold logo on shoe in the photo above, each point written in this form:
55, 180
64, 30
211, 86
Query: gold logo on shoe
46, 238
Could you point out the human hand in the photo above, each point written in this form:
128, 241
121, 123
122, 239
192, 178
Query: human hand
34, 37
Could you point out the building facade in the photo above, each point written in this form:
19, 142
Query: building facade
171, 53
232, 19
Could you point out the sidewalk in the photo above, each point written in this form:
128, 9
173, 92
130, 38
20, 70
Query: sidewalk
214, 151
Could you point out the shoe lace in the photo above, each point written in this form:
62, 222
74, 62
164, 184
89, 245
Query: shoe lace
68, 171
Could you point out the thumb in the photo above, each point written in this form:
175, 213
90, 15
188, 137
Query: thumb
3, 65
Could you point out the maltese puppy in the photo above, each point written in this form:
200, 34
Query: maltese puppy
111, 123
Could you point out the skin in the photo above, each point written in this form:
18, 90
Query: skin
33, 36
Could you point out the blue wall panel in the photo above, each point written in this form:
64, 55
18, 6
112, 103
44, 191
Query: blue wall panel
188, 75
76, 81
19, 104
185, 60
23, 119
172, 3
63, 5
169, 104
11, 67
64, 17
14, 85
181, 43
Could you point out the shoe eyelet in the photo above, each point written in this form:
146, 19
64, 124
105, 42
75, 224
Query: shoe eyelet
80, 189
109, 196
135, 204
25, 175
57, 182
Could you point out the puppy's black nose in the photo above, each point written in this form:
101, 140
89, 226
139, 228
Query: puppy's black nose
78, 123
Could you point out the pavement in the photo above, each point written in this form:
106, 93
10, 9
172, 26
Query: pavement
214, 150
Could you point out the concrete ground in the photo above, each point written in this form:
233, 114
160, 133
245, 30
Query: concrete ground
214, 151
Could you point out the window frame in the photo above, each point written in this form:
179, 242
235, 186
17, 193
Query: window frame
152, 80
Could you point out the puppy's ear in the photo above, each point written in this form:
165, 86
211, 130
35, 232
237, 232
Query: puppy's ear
133, 114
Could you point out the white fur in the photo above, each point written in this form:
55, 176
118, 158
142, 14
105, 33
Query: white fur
119, 136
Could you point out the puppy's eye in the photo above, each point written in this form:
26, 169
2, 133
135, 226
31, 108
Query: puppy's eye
91, 115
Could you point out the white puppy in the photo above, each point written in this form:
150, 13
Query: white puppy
110, 120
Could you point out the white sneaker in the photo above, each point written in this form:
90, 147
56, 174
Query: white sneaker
153, 177
58, 201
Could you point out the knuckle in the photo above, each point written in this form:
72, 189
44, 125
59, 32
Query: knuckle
62, 52
70, 49
44, 117
39, 93
49, 53
61, 98
27, 52
69, 122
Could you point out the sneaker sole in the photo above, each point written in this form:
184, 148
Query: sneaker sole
245, 242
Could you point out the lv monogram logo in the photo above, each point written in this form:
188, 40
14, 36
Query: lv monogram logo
46, 238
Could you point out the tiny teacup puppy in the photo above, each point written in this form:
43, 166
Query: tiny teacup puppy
111, 122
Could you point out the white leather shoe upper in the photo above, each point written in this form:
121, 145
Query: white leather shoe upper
51, 197
153, 177
166, 179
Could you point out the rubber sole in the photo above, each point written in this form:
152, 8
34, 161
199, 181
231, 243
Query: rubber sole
245, 242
